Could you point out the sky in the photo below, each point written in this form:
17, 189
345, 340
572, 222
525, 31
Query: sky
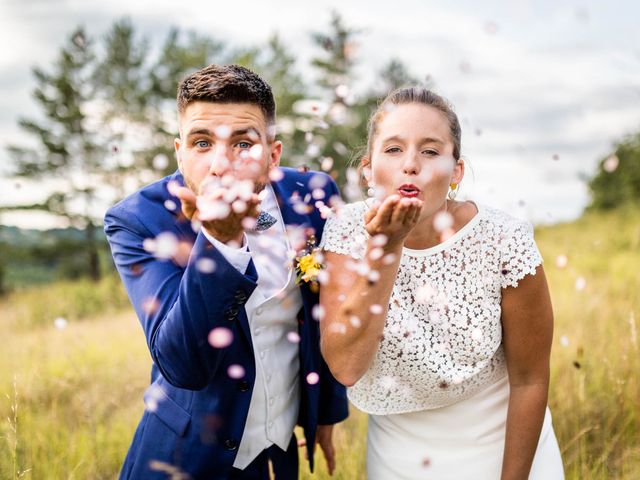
543, 88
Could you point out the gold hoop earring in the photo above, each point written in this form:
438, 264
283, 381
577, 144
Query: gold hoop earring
453, 192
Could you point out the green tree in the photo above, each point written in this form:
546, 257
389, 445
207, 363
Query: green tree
617, 179
342, 128
342, 135
277, 66
67, 148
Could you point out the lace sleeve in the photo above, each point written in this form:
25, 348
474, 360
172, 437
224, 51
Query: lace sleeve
344, 231
519, 254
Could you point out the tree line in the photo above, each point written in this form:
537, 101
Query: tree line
107, 109
107, 121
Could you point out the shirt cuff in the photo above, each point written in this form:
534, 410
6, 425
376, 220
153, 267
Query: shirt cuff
238, 257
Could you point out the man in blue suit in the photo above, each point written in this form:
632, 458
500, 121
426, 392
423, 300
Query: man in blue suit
232, 332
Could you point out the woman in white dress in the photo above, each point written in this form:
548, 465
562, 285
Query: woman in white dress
437, 313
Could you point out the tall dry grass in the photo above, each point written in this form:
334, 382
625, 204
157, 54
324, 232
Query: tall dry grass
70, 398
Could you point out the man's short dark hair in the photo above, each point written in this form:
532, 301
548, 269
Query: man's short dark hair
227, 84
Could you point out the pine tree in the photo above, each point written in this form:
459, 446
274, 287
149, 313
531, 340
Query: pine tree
342, 138
334, 141
68, 149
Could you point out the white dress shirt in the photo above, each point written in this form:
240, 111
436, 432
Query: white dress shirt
272, 311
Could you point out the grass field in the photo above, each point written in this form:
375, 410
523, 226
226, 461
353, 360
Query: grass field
70, 395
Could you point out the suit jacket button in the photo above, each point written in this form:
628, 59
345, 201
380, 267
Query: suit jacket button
231, 444
240, 296
231, 314
243, 385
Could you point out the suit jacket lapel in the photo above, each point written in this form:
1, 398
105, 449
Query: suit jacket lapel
284, 195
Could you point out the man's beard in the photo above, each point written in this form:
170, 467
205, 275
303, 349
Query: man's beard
259, 185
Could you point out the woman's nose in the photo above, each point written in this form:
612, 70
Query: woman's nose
411, 166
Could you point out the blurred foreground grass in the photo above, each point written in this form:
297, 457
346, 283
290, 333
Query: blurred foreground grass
70, 398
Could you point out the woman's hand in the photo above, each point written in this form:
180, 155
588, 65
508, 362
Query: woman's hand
395, 217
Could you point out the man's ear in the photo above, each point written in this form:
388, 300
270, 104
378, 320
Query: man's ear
275, 154
176, 145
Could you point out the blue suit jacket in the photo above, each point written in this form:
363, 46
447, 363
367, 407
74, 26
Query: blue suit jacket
200, 411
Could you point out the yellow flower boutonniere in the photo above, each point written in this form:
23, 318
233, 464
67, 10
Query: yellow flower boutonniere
308, 262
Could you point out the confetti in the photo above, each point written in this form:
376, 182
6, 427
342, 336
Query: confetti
342, 91
476, 334
310, 107
611, 164
313, 378
160, 161
340, 148
150, 305
442, 221
561, 261
326, 163
355, 321
220, 337
173, 187
317, 312
337, 327
164, 246
235, 371
60, 323
170, 205
239, 206
491, 27
223, 132
389, 258
212, 209
447, 234
152, 397
581, 283
318, 194
379, 240
374, 276
388, 382
318, 181
293, 337
323, 277
564, 341
206, 265
424, 294
376, 309
255, 152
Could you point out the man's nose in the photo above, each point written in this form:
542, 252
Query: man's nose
221, 161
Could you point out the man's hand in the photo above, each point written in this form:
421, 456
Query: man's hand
221, 216
324, 437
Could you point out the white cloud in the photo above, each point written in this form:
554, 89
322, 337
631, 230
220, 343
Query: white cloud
536, 78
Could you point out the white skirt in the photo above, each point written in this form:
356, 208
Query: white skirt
461, 441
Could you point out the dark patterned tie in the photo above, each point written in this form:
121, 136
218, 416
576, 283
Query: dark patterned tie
264, 221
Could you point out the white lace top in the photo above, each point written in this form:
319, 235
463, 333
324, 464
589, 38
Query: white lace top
442, 341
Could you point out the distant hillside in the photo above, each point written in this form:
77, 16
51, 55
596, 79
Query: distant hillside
21, 237
30, 257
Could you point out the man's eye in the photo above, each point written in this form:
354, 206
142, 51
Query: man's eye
392, 150
243, 145
431, 153
202, 144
